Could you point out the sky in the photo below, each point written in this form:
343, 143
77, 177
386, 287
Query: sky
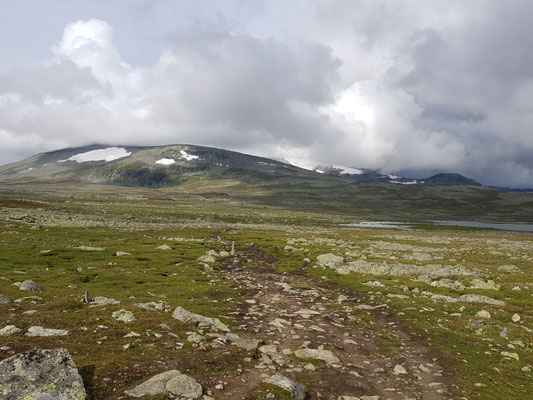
412, 87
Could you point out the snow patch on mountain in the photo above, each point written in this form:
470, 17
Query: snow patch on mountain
109, 154
166, 161
352, 171
188, 156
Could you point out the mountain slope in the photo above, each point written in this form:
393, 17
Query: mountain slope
214, 173
141, 166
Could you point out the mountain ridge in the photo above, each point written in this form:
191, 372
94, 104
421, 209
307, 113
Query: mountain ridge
150, 171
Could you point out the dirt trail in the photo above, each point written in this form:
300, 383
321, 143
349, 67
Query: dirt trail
285, 314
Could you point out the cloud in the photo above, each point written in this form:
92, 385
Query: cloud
397, 85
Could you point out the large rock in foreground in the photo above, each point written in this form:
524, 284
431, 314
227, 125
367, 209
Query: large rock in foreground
41, 375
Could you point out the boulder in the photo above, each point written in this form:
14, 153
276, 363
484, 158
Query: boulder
104, 301
153, 306
508, 268
4, 299
183, 315
296, 390
317, 354
247, 344
123, 315
9, 330
172, 381
184, 386
122, 253
39, 331
30, 286
164, 247
41, 374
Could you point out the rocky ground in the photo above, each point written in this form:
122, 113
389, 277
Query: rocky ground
218, 301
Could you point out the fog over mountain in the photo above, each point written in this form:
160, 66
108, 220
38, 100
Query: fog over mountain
404, 86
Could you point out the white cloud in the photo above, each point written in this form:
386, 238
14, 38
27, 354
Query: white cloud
397, 85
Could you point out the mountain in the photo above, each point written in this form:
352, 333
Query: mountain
211, 173
451, 179
364, 174
154, 166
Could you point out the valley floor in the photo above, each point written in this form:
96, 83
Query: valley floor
443, 313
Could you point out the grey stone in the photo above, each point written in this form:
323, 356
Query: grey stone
483, 314
153, 306
104, 301
164, 247
296, 390
41, 374
153, 386
28, 298
183, 315
122, 253
317, 354
468, 298
4, 299
247, 344
399, 370
184, 386
508, 268
123, 315
39, 331
30, 286
9, 330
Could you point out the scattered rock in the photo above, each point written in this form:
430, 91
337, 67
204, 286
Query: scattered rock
173, 382
123, 315
183, 315
508, 268
153, 386
184, 386
362, 266
374, 284
104, 301
122, 253
466, 298
486, 285
483, 314
39, 331
399, 370
28, 298
89, 248
510, 355
164, 247
29, 286
247, 344
296, 390
9, 330
41, 374
153, 306
4, 299
515, 318
317, 354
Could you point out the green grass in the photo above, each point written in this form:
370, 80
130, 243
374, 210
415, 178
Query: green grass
135, 220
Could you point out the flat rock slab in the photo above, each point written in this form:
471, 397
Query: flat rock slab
39, 331
41, 375
9, 330
317, 354
296, 390
172, 381
183, 315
